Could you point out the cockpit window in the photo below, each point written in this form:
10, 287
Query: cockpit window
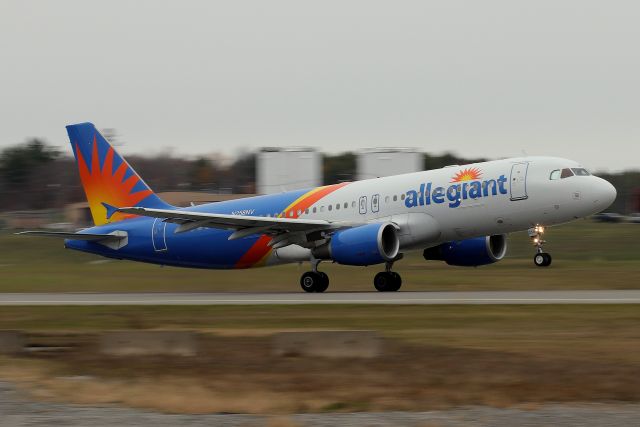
580, 171
566, 173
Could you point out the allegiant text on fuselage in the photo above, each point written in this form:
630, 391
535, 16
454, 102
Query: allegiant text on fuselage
455, 193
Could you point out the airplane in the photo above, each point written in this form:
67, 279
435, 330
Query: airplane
458, 214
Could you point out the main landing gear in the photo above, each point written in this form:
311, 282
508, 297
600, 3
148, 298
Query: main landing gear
541, 258
317, 281
387, 281
314, 281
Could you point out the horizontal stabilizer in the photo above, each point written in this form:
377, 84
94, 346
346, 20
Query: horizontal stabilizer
115, 240
74, 236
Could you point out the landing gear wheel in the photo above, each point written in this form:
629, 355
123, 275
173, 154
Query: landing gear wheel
397, 281
382, 281
542, 259
324, 282
312, 281
387, 281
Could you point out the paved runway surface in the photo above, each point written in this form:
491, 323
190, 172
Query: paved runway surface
293, 298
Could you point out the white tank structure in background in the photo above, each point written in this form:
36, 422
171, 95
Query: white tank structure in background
379, 162
281, 169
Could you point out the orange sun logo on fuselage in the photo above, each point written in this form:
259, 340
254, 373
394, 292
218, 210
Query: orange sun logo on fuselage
468, 174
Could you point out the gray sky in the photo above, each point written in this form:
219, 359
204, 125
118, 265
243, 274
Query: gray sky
480, 78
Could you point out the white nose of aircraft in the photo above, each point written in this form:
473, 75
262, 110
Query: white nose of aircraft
604, 194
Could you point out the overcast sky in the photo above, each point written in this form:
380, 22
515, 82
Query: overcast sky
479, 78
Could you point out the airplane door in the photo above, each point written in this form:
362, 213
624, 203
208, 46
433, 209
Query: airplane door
158, 235
518, 182
375, 203
363, 205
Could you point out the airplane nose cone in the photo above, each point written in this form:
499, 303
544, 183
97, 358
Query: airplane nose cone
605, 194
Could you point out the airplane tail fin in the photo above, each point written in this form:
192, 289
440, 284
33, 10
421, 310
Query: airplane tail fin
109, 181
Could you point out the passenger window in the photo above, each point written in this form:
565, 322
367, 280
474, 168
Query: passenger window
353, 204
321, 208
566, 173
580, 171
402, 196
330, 207
314, 209
395, 198
346, 205
386, 199
555, 174
337, 205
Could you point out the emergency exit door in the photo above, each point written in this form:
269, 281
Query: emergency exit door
518, 181
158, 236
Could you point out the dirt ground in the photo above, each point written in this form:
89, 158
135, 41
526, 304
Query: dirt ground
433, 357
238, 374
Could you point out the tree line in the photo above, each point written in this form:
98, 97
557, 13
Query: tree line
36, 175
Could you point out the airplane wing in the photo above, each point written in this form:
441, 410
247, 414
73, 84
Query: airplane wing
243, 225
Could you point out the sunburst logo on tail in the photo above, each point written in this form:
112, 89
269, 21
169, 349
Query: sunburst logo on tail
106, 185
468, 174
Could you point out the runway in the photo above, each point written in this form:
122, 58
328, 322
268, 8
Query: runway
297, 298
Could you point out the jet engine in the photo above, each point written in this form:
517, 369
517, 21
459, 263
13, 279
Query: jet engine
364, 245
470, 252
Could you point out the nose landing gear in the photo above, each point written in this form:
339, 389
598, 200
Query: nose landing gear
541, 258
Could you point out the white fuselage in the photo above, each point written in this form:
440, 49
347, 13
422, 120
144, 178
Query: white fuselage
495, 197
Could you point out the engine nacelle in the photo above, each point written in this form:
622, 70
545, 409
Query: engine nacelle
364, 245
470, 252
